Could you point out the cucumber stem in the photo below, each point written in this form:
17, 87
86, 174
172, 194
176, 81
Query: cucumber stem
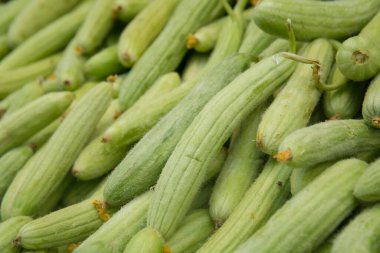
292, 36
228, 9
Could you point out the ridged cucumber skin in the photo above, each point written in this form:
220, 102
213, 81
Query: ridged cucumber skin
104, 63
268, 193
368, 186
303, 216
345, 102
145, 161
96, 26
8, 12
194, 66
240, 169
10, 163
9, 230
360, 235
40, 138
285, 115
327, 141
46, 39
168, 49
4, 46
39, 178
152, 19
19, 126
109, 117
14, 79
126, 10
177, 187
113, 236
79, 191
193, 232
277, 46
313, 19
203, 197
36, 15
154, 242
358, 57
371, 106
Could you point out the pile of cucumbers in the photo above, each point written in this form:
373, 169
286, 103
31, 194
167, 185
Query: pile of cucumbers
190, 126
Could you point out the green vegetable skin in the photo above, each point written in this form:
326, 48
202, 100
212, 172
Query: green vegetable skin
358, 57
8, 12
126, 10
194, 66
303, 223
4, 47
155, 243
293, 106
327, 141
371, 106
39, 178
315, 19
78, 191
367, 188
360, 235
8, 231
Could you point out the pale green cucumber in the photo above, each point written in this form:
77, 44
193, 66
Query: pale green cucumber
241, 168
39, 178
9, 11
79, 191
193, 232
327, 141
96, 26
46, 40
104, 63
368, 186
268, 193
154, 242
303, 223
371, 106
203, 197
16, 78
50, 83
36, 15
194, 66
15, 129
293, 106
168, 49
41, 137
361, 234
315, 19
145, 161
4, 46
216, 165
126, 10
358, 57
8, 231
277, 46
112, 113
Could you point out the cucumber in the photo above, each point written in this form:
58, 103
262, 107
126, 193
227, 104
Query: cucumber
360, 235
46, 40
367, 188
264, 197
145, 161
277, 46
79, 191
293, 106
325, 247
358, 57
315, 19
313, 222
9, 230
167, 51
155, 242
8, 12
16, 128
4, 46
241, 168
203, 197
194, 66
371, 108
36, 15
152, 19
126, 10
39, 178
327, 141
109, 117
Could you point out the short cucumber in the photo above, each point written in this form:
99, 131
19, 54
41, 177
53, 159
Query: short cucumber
154, 242
327, 141
8, 12
367, 188
286, 232
8, 231
194, 65
371, 106
126, 10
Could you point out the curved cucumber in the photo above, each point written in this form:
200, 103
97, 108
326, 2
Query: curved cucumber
315, 19
368, 186
285, 232
154, 242
9, 230
9, 11
327, 141
126, 10
371, 105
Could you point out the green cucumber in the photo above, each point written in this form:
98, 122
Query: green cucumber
345, 102
16, 128
371, 107
268, 193
152, 19
277, 46
35, 16
360, 235
104, 63
194, 66
41, 137
168, 49
39, 178
4, 46
293, 106
79, 191
241, 168
109, 117
203, 197
95, 27
46, 40
144, 162
9, 11
367, 188
8, 231
358, 57
325, 247
126, 10
303, 222
154, 242
327, 141
315, 19
192, 233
